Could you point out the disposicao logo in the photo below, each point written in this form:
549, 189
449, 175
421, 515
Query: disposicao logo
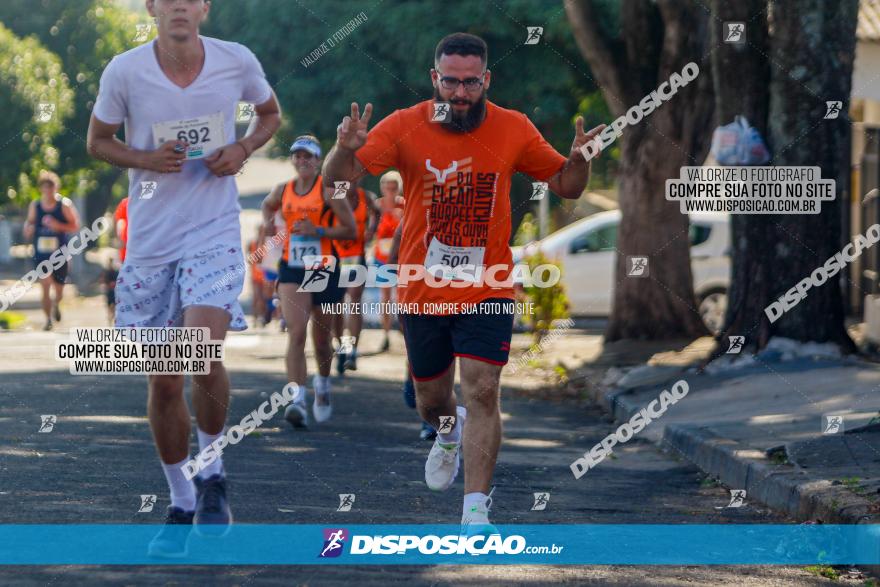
334, 541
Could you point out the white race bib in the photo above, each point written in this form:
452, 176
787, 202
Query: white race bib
205, 134
460, 263
301, 247
47, 244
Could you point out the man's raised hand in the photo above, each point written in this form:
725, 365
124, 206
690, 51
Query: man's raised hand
352, 133
581, 138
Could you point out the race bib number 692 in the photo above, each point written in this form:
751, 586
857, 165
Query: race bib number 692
204, 134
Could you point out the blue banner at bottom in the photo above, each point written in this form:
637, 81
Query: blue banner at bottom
618, 544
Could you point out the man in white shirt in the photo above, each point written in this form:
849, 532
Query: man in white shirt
177, 97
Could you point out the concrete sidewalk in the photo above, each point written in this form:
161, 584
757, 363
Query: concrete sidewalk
761, 428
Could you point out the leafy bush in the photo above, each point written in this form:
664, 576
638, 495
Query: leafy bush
549, 303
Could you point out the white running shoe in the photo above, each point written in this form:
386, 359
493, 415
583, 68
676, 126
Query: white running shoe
475, 521
322, 412
444, 460
296, 412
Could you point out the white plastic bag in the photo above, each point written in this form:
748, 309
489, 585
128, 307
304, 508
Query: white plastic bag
738, 143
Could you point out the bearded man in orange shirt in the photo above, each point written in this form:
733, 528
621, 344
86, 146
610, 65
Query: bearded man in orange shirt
457, 153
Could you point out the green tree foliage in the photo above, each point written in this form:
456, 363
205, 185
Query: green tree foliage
550, 303
386, 61
85, 34
29, 75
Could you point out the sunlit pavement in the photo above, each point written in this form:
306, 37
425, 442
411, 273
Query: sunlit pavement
99, 459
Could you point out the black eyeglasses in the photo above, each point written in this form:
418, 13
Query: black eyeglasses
471, 84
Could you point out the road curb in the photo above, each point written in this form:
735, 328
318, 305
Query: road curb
785, 488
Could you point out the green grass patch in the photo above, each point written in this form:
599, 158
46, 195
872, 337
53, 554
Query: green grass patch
826, 571
12, 320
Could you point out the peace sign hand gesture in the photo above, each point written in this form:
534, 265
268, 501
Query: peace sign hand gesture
352, 133
581, 138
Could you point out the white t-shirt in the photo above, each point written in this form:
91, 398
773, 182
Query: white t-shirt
192, 209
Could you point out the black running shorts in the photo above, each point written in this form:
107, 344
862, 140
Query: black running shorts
331, 294
433, 342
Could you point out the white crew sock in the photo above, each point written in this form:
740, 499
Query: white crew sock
299, 393
322, 384
215, 468
453, 437
183, 490
473, 499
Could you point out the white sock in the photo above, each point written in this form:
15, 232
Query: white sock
215, 468
473, 499
322, 384
183, 490
453, 437
299, 394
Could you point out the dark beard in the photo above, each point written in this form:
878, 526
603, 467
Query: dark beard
470, 120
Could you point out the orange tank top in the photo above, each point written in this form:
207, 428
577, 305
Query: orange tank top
385, 235
355, 248
295, 207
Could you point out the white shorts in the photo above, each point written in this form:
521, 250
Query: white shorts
157, 295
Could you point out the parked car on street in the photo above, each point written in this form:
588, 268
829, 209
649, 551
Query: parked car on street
587, 250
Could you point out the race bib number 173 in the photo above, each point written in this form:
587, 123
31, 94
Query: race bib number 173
301, 248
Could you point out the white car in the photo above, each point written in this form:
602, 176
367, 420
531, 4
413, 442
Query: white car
587, 251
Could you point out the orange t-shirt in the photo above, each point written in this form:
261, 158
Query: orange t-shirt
310, 206
355, 248
385, 234
254, 261
457, 192
122, 214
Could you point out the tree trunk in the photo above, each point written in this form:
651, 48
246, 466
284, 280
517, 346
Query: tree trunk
741, 76
811, 56
813, 45
657, 39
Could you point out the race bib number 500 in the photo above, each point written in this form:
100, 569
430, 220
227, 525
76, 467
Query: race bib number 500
203, 134
462, 263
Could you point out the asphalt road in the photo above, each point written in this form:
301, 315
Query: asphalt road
99, 459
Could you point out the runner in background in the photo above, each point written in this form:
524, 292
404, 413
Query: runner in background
121, 219
258, 278
50, 222
313, 220
352, 254
391, 205
111, 273
409, 389
108, 284
270, 257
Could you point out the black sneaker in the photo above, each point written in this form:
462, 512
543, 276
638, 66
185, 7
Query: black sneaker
171, 539
213, 515
351, 362
340, 363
